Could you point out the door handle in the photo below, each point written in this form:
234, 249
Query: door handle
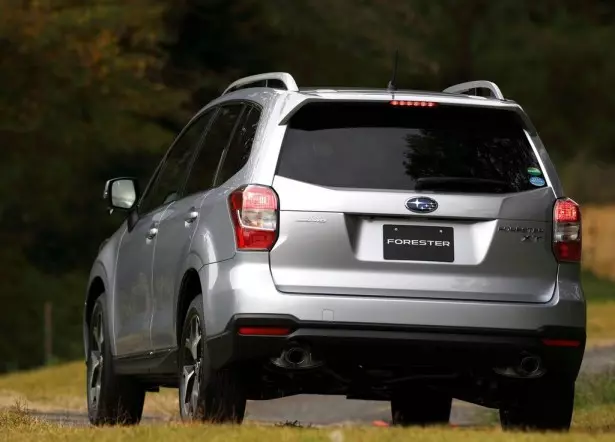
191, 216
152, 232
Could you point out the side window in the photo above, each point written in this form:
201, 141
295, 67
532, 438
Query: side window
241, 144
217, 138
167, 185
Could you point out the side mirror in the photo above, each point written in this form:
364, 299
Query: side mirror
121, 193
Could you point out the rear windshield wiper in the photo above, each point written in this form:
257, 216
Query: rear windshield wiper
462, 184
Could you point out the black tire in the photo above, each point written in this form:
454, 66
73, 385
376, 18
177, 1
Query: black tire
206, 395
547, 406
112, 399
421, 407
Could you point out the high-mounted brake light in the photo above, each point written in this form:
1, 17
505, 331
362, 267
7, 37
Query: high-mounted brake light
254, 210
567, 244
413, 103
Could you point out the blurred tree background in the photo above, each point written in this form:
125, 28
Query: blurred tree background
98, 88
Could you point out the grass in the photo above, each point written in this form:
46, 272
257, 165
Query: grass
600, 294
62, 387
595, 391
601, 324
598, 290
17, 426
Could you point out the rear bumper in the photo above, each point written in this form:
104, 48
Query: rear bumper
241, 291
244, 285
374, 344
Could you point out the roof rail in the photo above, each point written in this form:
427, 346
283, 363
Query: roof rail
268, 79
473, 86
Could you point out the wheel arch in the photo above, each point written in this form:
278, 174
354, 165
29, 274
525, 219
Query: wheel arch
189, 289
101, 281
95, 289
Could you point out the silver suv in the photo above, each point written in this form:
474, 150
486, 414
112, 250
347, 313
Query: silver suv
393, 245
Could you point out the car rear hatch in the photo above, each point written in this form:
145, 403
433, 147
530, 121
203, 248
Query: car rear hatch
426, 200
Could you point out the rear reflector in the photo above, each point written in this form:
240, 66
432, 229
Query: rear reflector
254, 210
264, 331
413, 103
567, 245
561, 343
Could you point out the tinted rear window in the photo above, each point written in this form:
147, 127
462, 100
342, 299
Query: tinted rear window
380, 146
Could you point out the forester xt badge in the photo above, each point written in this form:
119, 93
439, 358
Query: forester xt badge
528, 234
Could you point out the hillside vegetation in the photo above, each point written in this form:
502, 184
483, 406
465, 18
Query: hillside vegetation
97, 89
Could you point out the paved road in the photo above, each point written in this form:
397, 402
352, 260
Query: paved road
599, 360
304, 410
335, 410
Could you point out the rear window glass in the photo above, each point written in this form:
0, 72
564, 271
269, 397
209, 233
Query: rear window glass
380, 146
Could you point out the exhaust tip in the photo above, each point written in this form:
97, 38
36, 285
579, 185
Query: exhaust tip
296, 356
529, 365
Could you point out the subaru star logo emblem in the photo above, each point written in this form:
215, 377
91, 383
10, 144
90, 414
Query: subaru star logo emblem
421, 204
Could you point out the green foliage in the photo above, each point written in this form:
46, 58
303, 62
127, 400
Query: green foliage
86, 92
550, 56
595, 390
97, 89
81, 93
598, 289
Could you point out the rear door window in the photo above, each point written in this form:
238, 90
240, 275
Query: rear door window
239, 150
167, 185
216, 140
380, 146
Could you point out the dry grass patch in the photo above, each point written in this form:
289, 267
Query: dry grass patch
17, 427
62, 387
596, 419
601, 323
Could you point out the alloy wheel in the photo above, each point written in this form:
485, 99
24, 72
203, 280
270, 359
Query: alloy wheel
97, 341
190, 383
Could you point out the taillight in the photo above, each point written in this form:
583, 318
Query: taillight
254, 210
561, 342
567, 230
264, 331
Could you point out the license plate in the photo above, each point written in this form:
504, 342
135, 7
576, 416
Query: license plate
418, 243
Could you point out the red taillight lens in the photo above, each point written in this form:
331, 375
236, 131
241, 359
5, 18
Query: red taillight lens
561, 343
264, 331
567, 243
413, 103
254, 210
567, 211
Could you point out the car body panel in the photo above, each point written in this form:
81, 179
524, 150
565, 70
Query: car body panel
133, 300
244, 286
173, 243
